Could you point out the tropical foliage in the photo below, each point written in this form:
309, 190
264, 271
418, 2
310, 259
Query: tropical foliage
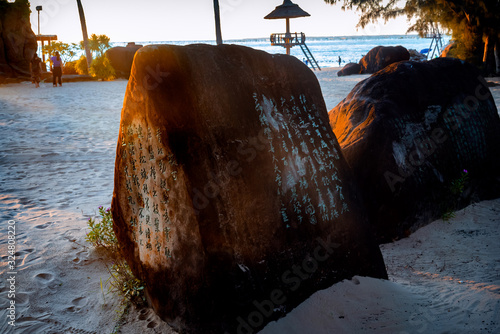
67, 51
98, 44
81, 66
101, 68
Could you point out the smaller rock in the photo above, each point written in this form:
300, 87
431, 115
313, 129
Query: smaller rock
381, 56
121, 58
349, 69
133, 45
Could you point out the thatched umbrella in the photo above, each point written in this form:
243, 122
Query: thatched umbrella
288, 10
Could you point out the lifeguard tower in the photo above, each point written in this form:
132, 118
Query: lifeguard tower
288, 40
436, 46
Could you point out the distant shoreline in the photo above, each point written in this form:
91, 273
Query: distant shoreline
260, 39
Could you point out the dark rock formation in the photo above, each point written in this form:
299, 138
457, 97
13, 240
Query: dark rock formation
232, 199
409, 131
17, 40
381, 56
350, 69
121, 58
376, 59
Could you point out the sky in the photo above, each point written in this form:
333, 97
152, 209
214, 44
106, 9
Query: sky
178, 20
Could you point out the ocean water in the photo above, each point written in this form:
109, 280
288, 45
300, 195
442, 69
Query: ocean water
326, 50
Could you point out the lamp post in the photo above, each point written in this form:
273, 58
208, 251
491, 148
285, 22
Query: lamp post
39, 8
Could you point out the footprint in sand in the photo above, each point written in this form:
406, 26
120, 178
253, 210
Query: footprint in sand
77, 304
152, 324
44, 278
24, 251
23, 257
143, 314
148, 315
80, 257
47, 280
44, 226
22, 299
68, 235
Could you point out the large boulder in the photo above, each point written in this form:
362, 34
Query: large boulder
422, 139
232, 200
17, 40
121, 58
382, 56
349, 69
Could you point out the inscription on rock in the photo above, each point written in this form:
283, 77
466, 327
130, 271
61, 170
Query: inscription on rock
146, 163
302, 161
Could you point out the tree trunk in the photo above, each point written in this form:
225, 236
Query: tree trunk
218, 32
497, 56
85, 35
489, 65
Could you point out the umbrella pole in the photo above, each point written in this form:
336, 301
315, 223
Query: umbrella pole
287, 36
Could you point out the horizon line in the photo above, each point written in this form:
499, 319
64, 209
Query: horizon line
265, 38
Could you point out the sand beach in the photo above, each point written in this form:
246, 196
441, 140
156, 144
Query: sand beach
57, 152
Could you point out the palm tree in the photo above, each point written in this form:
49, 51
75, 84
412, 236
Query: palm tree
84, 32
218, 32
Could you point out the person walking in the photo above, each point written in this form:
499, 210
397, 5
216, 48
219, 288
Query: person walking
56, 69
36, 69
340, 61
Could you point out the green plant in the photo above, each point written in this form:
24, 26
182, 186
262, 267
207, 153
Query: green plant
101, 231
456, 189
70, 68
448, 215
122, 281
102, 291
81, 66
102, 69
457, 186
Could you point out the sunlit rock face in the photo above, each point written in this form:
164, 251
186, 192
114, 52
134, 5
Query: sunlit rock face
409, 132
232, 199
17, 40
121, 59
